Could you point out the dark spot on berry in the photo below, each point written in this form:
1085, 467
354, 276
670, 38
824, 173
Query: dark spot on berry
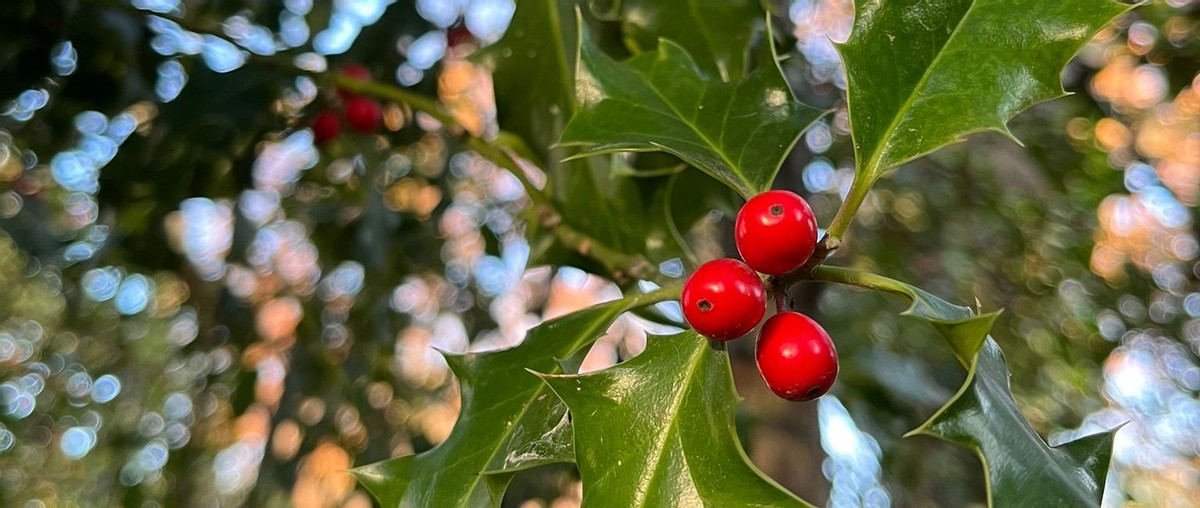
704, 305
812, 392
777, 210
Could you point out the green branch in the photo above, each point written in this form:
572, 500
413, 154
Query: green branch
663, 294
845, 214
859, 278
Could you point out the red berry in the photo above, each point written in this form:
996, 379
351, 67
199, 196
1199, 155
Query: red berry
776, 232
356, 71
325, 127
796, 357
724, 299
363, 114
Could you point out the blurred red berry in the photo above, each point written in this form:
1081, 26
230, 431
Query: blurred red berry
325, 127
363, 114
458, 35
356, 71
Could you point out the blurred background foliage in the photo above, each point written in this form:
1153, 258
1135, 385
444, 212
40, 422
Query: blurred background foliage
200, 307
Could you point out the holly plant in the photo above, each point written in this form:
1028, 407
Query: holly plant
702, 84
699, 86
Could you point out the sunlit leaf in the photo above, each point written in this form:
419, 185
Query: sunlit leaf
923, 74
1022, 469
509, 420
658, 430
738, 132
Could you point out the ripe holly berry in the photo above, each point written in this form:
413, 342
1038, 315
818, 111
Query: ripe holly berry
796, 357
325, 127
724, 299
357, 71
776, 232
363, 114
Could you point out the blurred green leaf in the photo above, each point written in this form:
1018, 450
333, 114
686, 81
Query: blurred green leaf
983, 416
717, 34
531, 70
640, 215
658, 430
509, 420
738, 132
923, 74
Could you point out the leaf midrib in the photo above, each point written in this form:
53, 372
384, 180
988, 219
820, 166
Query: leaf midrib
872, 168
507, 434
660, 444
694, 127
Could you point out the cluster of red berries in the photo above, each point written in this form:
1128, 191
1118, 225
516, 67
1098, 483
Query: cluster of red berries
363, 114
724, 299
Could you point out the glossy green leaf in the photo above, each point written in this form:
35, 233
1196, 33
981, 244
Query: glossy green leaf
531, 74
738, 132
717, 34
924, 73
658, 430
1022, 469
509, 420
641, 215
594, 196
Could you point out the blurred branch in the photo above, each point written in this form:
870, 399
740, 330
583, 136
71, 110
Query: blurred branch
621, 265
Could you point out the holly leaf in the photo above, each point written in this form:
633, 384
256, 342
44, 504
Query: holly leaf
717, 34
509, 420
531, 69
1022, 469
738, 132
923, 74
641, 212
598, 197
658, 430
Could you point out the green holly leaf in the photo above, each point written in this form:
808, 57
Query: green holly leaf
925, 73
658, 430
509, 419
531, 69
717, 34
598, 197
1022, 469
738, 132
641, 212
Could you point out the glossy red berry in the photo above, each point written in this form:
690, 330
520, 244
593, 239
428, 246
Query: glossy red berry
724, 299
357, 71
776, 232
325, 127
796, 357
363, 114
